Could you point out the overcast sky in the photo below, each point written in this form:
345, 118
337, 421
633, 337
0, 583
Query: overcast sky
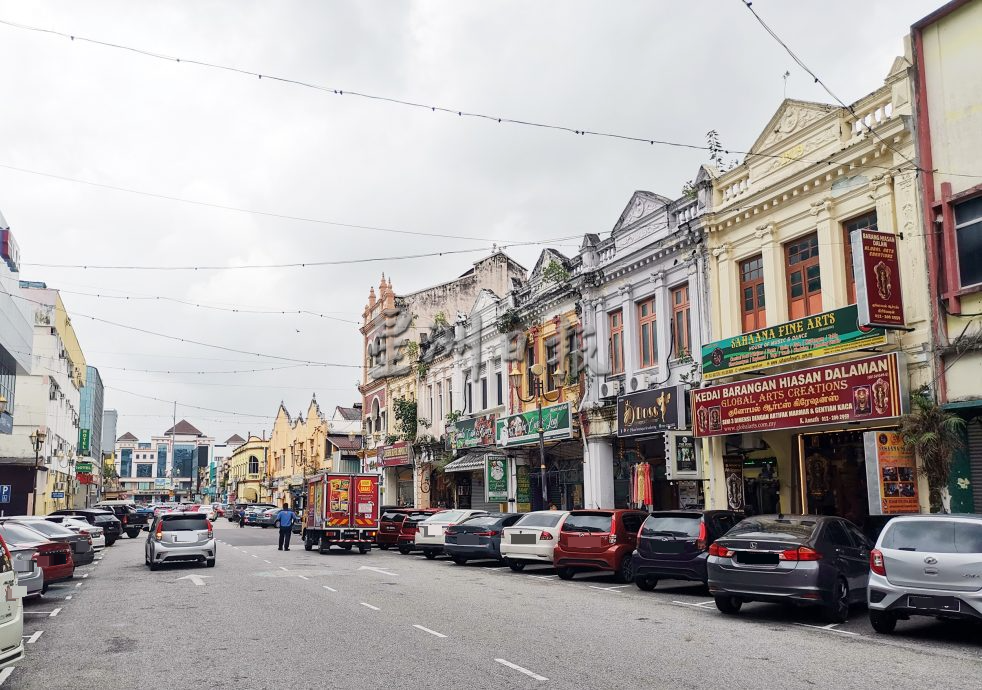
658, 69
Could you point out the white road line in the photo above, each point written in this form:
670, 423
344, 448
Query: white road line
518, 668
330, 589
431, 632
697, 606
542, 577
38, 613
604, 589
255, 556
78, 585
35, 637
68, 598
282, 568
827, 628
85, 576
265, 561
55, 612
369, 606
303, 577
5, 674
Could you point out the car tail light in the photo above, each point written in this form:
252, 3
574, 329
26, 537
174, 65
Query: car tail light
802, 553
124, 519
720, 551
450, 531
489, 533
876, 563
545, 536
160, 531
210, 532
701, 539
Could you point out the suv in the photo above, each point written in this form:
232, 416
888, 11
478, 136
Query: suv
406, 541
926, 565
598, 540
111, 526
674, 544
133, 521
180, 537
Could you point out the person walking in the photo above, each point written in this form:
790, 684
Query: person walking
242, 516
284, 520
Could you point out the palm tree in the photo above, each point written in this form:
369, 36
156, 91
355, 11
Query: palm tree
935, 435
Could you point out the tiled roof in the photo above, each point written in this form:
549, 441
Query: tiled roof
236, 440
184, 428
345, 442
351, 414
127, 437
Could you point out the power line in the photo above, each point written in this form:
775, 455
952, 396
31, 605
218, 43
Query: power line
133, 370
193, 407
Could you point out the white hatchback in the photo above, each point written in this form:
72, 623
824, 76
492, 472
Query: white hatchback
429, 534
532, 539
79, 526
11, 611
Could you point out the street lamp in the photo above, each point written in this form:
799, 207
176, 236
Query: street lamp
537, 371
37, 441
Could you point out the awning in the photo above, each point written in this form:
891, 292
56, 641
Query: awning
470, 462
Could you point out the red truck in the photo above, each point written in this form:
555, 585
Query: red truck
342, 510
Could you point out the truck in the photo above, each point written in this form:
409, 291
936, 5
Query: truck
342, 510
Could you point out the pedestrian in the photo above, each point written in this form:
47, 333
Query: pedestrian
284, 520
242, 516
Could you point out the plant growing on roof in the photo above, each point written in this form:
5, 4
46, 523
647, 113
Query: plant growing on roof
509, 322
935, 435
440, 320
555, 272
405, 412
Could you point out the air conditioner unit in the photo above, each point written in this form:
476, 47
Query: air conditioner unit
640, 382
610, 389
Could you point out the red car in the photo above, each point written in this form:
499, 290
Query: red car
54, 558
406, 541
598, 540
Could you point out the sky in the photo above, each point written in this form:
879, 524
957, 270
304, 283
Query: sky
71, 109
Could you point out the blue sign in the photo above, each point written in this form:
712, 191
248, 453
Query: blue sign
57, 494
4, 493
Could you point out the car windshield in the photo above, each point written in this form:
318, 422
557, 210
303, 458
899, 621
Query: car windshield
183, 523
49, 528
590, 522
934, 536
447, 516
20, 534
796, 529
671, 525
393, 517
542, 519
483, 521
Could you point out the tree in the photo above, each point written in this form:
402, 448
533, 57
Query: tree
935, 435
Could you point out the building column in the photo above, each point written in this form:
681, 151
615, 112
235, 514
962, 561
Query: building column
696, 337
726, 314
630, 332
831, 254
598, 473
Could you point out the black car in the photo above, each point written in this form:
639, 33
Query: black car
477, 538
133, 522
111, 526
674, 545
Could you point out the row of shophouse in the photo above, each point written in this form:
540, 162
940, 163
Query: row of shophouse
752, 343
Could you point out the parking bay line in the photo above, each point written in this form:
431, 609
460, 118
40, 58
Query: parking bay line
31, 639
373, 608
827, 628
518, 668
5, 674
701, 605
431, 632
329, 589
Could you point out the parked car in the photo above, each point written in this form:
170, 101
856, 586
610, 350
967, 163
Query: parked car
82, 551
233, 512
674, 545
266, 517
133, 522
532, 539
180, 537
11, 613
926, 565
54, 558
29, 573
215, 511
254, 512
110, 524
390, 522
806, 560
409, 527
78, 525
477, 538
429, 538
146, 512
598, 540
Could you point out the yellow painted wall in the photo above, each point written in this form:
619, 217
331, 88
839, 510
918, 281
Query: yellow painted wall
63, 325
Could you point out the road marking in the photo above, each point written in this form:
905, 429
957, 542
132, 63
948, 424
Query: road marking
198, 580
255, 556
5, 674
703, 605
282, 568
380, 570
85, 576
78, 585
303, 577
605, 589
518, 668
55, 613
330, 589
68, 598
265, 561
542, 577
369, 606
827, 628
431, 632
31, 639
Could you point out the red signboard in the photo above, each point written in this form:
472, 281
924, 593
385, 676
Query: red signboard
856, 391
876, 269
84, 478
9, 250
395, 455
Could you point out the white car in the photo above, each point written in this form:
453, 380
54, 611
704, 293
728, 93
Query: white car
532, 539
11, 612
429, 534
79, 526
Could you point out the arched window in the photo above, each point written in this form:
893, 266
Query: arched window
375, 421
253, 464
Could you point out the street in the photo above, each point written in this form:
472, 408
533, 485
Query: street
263, 619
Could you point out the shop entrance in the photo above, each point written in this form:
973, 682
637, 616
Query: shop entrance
833, 470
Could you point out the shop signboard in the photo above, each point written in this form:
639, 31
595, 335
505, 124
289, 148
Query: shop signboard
683, 459
651, 411
861, 390
523, 489
819, 335
891, 474
83, 441
496, 473
523, 428
876, 269
393, 455
470, 433
83, 467
84, 478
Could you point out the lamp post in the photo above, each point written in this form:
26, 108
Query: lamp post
537, 372
37, 441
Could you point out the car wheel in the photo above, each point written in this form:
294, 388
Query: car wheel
384, 547
364, 549
728, 605
265, 526
154, 566
110, 541
516, 566
626, 571
308, 544
883, 622
459, 560
838, 610
430, 555
134, 533
404, 550
645, 583
323, 547
565, 573
210, 563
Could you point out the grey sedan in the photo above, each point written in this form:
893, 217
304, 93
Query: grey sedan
477, 538
82, 551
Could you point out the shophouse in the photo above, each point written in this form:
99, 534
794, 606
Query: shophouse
819, 313
946, 53
645, 311
218, 468
247, 472
168, 466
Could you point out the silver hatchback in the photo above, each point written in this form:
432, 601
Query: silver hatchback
176, 537
926, 565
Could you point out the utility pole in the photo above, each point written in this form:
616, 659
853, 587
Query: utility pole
173, 457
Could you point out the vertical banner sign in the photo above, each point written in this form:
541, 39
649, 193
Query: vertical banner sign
891, 474
523, 489
497, 479
733, 480
83, 441
876, 269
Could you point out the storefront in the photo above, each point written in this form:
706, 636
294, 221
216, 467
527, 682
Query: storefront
397, 474
480, 481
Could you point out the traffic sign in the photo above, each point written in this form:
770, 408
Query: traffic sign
4, 493
57, 494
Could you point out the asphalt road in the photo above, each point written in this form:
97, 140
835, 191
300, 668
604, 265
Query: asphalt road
268, 619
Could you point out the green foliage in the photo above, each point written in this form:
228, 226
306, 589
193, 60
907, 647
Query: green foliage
935, 435
509, 322
453, 417
406, 420
440, 320
412, 355
555, 272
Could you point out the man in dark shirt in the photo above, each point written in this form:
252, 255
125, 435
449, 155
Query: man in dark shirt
284, 520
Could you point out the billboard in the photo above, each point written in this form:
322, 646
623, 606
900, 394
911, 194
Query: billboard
876, 270
891, 474
470, 433
520, 429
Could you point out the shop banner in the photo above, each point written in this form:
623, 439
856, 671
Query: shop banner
683, 459
891, 474
651, 411
860, 390
394, 455
84, 478
470, 433
876, 270
523, 489
733, 480
521, 429
496, 484
819, 335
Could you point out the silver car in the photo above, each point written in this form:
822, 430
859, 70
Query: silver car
176, 537
926, 565
29, 573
